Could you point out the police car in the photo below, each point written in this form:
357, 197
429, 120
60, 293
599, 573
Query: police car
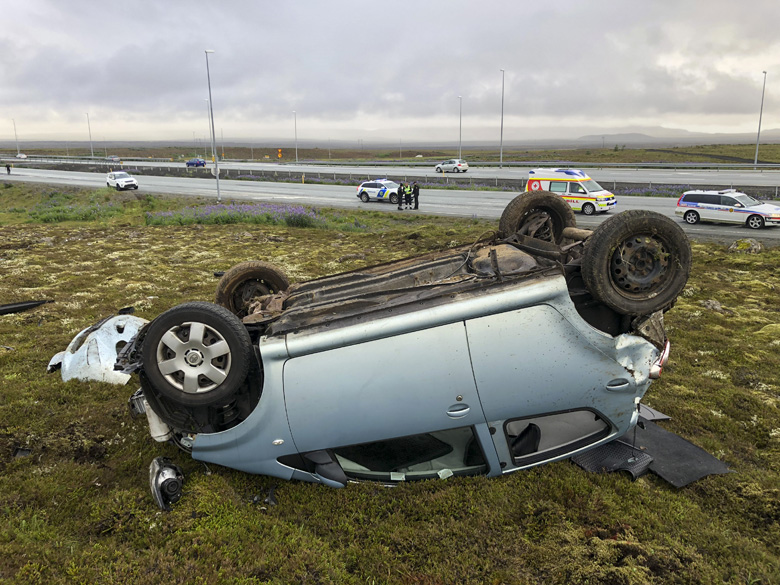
379, 190
726, 206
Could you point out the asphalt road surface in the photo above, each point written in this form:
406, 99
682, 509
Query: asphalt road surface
457, 203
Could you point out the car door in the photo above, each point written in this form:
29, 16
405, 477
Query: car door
730, 210
397, 386
546, 391
710, 208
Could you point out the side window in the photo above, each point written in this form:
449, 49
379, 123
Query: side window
710, 199
729, 201
576, 188
441, 453
558, 186
542, 437
692, 198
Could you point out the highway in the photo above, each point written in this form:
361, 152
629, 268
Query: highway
456, 203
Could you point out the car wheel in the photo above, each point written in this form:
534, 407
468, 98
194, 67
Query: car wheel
691, 217
364, 197
196, 354
456, 169
755, 222
247, 281
637, 262
394, 198
588, 209
439, 170
108, 184
538, 214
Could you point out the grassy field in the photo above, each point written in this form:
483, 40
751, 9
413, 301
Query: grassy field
77, 509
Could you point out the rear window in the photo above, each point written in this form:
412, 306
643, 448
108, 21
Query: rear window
708, 198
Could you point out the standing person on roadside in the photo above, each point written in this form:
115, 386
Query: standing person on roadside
408, 195
7, 168
400, 195
416, 195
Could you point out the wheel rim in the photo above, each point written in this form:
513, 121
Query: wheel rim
193, 357
640, 264
588, 209
755, 222
690, 217
538, 224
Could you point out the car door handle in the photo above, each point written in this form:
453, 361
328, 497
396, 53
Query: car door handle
458, 410
618, 385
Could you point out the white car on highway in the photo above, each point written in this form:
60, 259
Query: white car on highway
121, 180
454, 165
726, 206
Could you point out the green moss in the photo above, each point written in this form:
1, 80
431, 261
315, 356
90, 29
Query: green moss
78, 508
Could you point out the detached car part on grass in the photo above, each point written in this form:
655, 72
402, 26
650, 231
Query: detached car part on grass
529, 347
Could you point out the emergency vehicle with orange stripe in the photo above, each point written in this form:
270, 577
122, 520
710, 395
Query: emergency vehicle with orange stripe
576, 188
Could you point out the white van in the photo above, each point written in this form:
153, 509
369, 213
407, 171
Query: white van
580, 191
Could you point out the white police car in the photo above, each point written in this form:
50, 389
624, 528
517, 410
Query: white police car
726, 206
380, 190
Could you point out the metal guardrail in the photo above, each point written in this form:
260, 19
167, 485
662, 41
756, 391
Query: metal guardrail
79, 159
550, 164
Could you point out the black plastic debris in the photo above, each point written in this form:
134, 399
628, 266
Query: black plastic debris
676, 460
649, 447
615, 456
22, 452
23, 306
652, 414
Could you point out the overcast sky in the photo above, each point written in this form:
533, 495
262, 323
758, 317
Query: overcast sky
384, 71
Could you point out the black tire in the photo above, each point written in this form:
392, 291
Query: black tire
394, 199
108, 184
439, 170
588, 209
364, 197
118, 188
456, 169
637, 262
539, 214
246, 281
197, 354
755, 222
691, 217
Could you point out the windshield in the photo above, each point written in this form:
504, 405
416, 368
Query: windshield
389, 184
747, 200
121, 175
592, 186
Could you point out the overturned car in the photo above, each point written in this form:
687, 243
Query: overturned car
527, 347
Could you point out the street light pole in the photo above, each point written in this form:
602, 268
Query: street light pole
460, 126
295, 121
501, 148
211, 117
92, 152
760, 113
208, 124
15, 136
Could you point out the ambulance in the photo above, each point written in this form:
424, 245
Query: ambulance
580, 191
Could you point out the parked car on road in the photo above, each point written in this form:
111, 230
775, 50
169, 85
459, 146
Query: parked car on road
454, 165
21, 155
527, 347
379, 190
112, 158
196, 162
121, 180
726, 206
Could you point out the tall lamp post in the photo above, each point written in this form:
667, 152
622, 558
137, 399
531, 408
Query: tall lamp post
460, 125
16, 137
208, 125
211, 118
501, 148
295, 122
92, 152
760, 113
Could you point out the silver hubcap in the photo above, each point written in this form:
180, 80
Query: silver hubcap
193, 357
